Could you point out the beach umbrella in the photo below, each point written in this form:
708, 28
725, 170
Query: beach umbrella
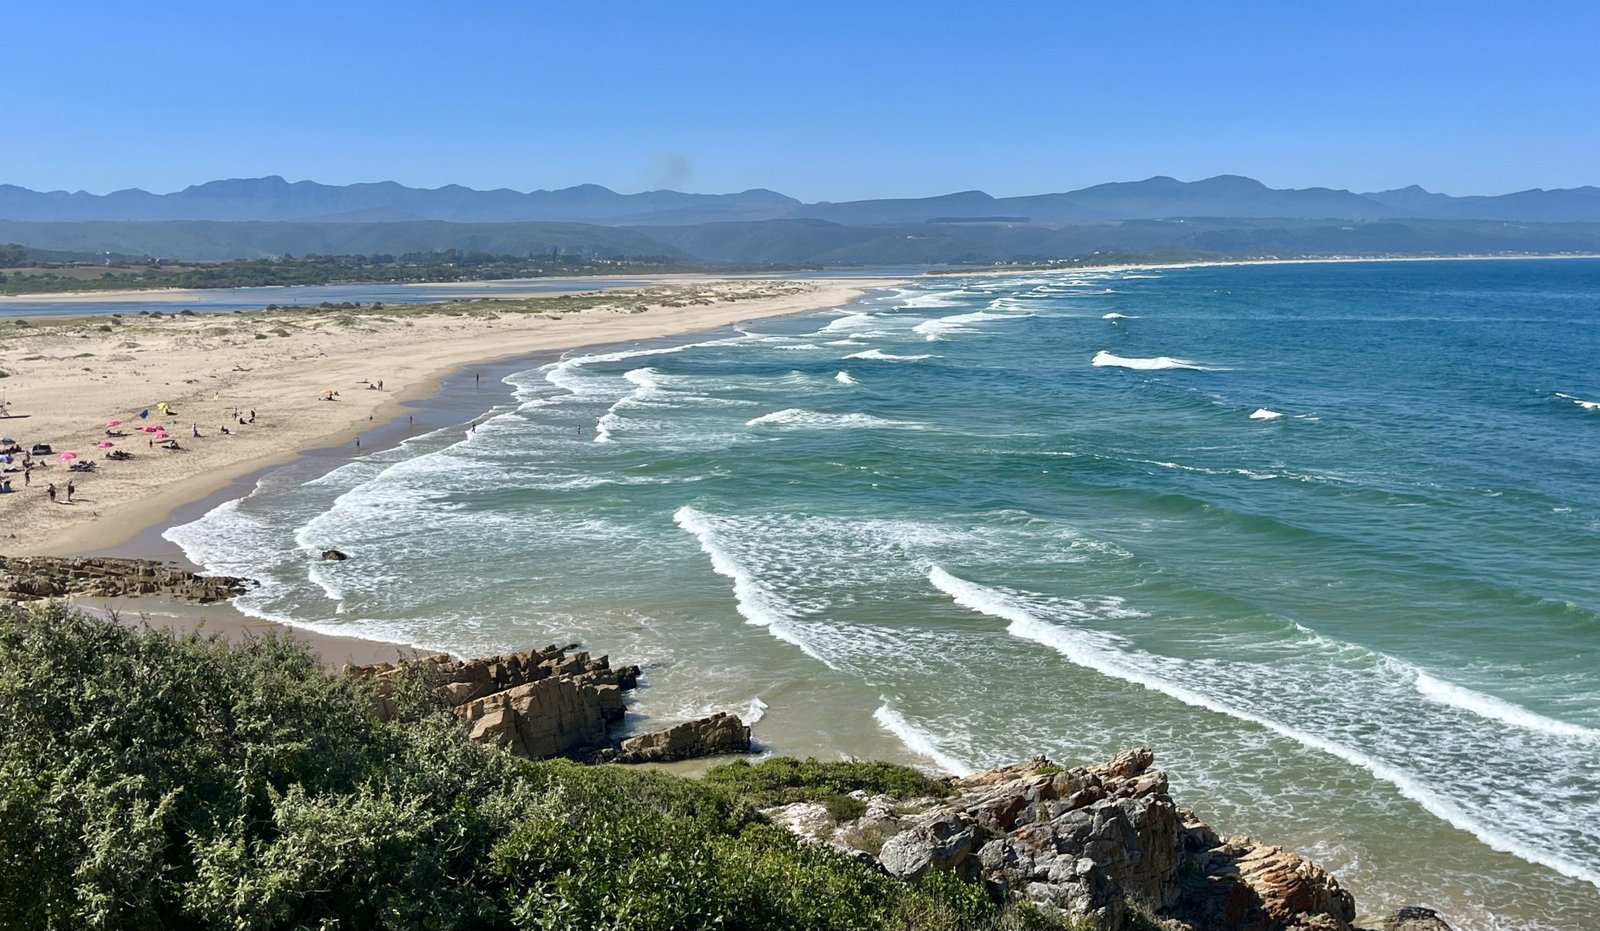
113, 423
68, 457
151, 429
5, 459
6, 440
105, 444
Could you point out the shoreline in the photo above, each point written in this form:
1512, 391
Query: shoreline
144, 520
414, 366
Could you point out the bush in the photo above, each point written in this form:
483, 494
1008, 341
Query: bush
151, 780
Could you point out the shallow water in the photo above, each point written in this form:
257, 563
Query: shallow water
1323, 536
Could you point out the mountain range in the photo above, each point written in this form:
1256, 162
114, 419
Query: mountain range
1225, 196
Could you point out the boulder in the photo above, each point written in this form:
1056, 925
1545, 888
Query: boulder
1415, 918
942, 841
718, 734
334, 556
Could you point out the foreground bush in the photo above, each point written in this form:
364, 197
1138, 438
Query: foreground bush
156, 781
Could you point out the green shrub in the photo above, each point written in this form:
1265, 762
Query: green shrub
158, 781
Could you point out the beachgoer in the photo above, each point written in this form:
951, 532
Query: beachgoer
252, 415
27, 476
51, 491
477, 379
195, 430
411, 421
71, 487
226, 432
358, 442
380, 384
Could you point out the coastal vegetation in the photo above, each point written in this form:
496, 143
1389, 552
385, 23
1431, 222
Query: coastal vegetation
154, 780
27, 274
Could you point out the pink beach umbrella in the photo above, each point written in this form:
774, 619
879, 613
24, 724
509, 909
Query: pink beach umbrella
113, 423
151, 429
105, 444
68, 457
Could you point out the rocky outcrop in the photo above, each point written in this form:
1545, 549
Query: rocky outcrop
1415, 918
26, 578
1094, 842
719, 734
334, 556
547, 703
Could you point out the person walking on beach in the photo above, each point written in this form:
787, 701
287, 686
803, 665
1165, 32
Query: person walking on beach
27, 476
252, 415
51, 491
71, 487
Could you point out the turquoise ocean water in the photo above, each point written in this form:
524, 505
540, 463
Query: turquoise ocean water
1327, 537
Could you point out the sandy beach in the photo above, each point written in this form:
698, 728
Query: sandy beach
68, 378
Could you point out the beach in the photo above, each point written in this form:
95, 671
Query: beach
68, 380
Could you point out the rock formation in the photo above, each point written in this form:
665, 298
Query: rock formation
25, 578
547, 703
719, 734
1094, 842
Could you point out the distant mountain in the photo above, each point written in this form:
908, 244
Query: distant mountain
1225, 196
1568, 205
273, 198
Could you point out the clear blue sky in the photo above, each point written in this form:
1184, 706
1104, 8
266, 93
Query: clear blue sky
821, 100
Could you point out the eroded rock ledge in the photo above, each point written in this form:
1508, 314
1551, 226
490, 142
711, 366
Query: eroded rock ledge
547, 703
27, 578
1103, 842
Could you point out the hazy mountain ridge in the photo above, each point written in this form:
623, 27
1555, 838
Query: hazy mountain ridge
1232, 196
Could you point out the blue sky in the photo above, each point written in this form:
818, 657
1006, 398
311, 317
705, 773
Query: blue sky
821, 100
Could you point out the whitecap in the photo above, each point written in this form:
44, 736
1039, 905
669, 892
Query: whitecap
881, 356
1262, 413
1586, 405
1104, 359
1116, 316
1497, 709
797, 417
920, 742
844, 378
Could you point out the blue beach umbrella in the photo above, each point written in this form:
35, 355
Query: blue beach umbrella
6, 440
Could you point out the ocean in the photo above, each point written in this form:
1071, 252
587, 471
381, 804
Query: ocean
1325, 536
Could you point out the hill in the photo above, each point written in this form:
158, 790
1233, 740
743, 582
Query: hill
276, 199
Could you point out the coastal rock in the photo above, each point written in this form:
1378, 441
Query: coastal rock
334, 556
547, 703
718, 734
1095, 842
1415, 918
25, 578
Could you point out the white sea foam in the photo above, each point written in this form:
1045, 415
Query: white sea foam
935, 299
942, 327
1498, 709
797, 417
1262, 413
844, 378
1116, 316
920, 742
1105, 654
1104, 359
881, 356
755, 711
851, 322
1586, 405
755, 603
